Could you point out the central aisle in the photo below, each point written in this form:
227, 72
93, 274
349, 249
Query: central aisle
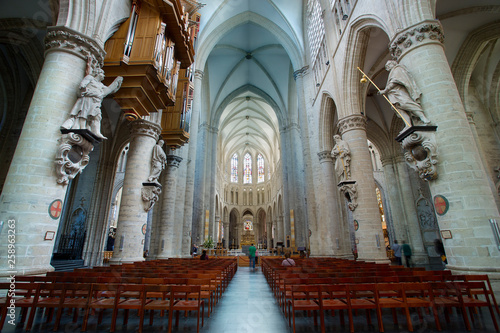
247, 305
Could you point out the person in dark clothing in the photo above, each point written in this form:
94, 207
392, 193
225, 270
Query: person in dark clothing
406, 251
204, 255
439, 248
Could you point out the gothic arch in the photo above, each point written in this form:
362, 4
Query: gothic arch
206, 44
328, 117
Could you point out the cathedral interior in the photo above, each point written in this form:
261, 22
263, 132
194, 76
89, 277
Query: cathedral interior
133, 130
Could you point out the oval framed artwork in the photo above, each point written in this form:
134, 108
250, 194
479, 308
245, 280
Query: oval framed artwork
441, 204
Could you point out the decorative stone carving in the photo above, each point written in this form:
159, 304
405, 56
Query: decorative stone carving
427, 32
158, 161
145, 128
325, 156
404, 94
421, 155
425, 212
342, 155
86, 113
350, 192
352, 122
150, 193
72, 156
68, 40
300, 72
173, 160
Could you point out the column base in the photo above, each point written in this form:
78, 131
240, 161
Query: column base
119, 261
29, 270
376, 260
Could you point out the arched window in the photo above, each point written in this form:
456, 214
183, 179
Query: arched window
247, 169
260, 167
234, 169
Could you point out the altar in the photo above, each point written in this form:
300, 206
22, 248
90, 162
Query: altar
248, 238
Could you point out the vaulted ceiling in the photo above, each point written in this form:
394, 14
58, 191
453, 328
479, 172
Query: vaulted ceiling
248, 70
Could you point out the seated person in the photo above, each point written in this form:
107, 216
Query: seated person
204, 255
288, 261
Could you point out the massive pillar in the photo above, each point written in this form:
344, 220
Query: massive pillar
189, 209
132, 217
31, 200
369, 236
169, 229
327, 229
461, 179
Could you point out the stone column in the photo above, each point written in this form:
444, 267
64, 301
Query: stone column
226, 234
281, 230
371, 245
132, 217
190, 179
411, 226
169, 229
31, 199
461, 178
327, 228
396, 229
269, 227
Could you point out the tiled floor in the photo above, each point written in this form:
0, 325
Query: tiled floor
248, 305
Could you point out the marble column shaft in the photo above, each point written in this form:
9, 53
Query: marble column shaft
31, 183
371, 245
169, 229
129, 242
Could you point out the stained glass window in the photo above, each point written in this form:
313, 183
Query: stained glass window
260, 167
234, 169
247, 169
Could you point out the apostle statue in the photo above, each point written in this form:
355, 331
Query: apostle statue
342, 155
403, 93
158, 161
86, 113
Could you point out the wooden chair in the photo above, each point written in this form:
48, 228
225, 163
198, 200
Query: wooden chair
467, 299
486, 280
364, 297
48, 297
182, 302
207, 292
445, 297
164, 303
75, 296
301, 299
102, 298
129, 297
23, 295
420, 295
392, 296
334, 297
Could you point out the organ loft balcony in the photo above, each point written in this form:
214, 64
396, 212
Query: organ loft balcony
149, 51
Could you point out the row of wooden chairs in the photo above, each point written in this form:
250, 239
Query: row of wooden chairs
436, 296
97, 297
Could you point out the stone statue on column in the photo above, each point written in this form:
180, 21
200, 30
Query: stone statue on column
403, 93
86, 113
158, 161
342, 155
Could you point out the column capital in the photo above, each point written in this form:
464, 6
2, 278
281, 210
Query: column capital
143, 127
299, 73
173, 160
198, 74
325, 156
417, 35
352, 122
60, 38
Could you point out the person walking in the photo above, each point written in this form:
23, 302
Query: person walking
397, 252
251, 255
406, 250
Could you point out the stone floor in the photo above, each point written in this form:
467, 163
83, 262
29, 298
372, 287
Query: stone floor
248, 305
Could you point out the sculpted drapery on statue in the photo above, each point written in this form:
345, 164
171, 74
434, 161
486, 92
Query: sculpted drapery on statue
403, 92
86, 113
158, 161
342, 155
